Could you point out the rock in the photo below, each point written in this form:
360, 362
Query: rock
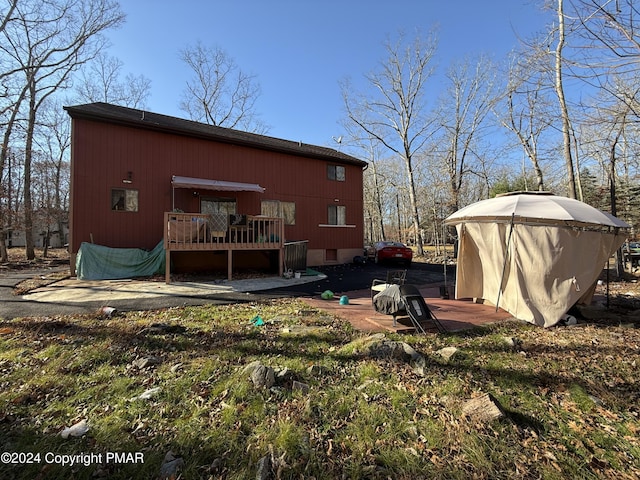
249, 368
399, 351
448, 353
263, 377
77, 430
148, 394
419, 365
391, 349
317, 370
284, 375
170, 466
147, 362
216, 465
483, 408
264, 468
303, 387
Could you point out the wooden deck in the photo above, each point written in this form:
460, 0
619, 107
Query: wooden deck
187, 232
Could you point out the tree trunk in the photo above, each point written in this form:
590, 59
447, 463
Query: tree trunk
414, 207
564, 113
5, 224
28, 203
613, 196
4, 256
378, 202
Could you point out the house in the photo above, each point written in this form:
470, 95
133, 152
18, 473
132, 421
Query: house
41, 230
217, 197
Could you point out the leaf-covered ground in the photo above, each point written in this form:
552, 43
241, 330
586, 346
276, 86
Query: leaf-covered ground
176, 381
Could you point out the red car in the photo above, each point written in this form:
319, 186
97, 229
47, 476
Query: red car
389, 252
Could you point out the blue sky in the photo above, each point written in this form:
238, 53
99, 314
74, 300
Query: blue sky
300, 49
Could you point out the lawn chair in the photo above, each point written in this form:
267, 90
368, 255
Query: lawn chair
385, 296
394, 277
417, 309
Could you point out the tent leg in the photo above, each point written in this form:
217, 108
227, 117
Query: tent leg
607, 284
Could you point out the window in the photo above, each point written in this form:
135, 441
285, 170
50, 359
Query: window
218, 205
337, 215
124, 200
336, 172
276, 208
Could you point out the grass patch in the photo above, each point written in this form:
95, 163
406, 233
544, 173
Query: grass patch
570, 397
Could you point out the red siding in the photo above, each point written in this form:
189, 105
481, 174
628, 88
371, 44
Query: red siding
104, 153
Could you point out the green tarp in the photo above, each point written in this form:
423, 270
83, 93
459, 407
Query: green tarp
97, 262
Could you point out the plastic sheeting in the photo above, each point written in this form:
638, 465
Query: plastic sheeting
97, 262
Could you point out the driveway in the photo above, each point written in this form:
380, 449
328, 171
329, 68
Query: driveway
73, 296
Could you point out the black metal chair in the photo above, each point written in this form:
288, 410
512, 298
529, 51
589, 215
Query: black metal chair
385, 299
417, 309
394, 277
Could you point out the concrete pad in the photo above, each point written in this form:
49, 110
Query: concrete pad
104, 291
454, 315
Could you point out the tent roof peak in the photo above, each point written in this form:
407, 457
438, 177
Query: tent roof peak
525, 192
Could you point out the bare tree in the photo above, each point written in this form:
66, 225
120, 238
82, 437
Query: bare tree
611, 46
468, 102
219, 93
610, 25
394, 109
527, 112
6, 15
101, 81
45, 43
54, 143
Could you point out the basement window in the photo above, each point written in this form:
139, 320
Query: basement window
124, 200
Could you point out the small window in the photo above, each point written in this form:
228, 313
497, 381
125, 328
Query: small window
337, 215
336, 172
278, 209
124, 200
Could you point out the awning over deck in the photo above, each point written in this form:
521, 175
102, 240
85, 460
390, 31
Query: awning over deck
218, 185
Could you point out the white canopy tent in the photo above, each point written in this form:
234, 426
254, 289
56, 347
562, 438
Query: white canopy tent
533, 254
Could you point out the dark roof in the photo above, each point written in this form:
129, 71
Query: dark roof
131, 117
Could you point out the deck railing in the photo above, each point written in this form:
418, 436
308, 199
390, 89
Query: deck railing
195, 231
198, 231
